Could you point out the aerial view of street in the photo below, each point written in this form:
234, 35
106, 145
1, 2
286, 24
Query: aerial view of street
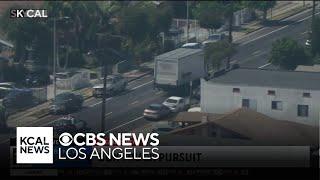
209, 75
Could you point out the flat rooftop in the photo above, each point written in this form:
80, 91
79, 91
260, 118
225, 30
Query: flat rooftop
270, 78
178, 53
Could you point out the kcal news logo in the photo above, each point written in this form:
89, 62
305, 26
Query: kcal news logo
34, 145
28, 13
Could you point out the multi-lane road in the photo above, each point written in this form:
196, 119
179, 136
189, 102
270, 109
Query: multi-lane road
125, 110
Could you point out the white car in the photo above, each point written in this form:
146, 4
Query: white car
192, 45
175, 103
308, 43
213, 38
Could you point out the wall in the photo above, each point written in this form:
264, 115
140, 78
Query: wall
218, 98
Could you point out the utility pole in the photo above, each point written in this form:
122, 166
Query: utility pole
313, 9
187, 21
54, 59
104, 94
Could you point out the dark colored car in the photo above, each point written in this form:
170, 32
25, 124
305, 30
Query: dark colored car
6, 88
35, 79
18, 98
156, 111
69, 124
66, 102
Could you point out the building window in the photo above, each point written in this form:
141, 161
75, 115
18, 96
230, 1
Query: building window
307, 95
236, 90
271, 92
276, 105
303, 110
245, 103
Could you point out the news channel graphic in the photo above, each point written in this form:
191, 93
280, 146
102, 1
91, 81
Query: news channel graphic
28, 13
135, 150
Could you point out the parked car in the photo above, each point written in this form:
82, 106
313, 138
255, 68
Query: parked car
196, 93
192, 45
66, 102
4, 91
214, 38
18, 98
165, 127
174, 31
308, 43
9, 85
115, 84
37, 78
69, 124
176, 104
156, 111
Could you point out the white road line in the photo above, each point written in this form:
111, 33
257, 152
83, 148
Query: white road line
276, 30
108, 113
159, 92
108, 99
125, 124
256, 52
264, 65
264, 35
135, 102
142, 85
305, 32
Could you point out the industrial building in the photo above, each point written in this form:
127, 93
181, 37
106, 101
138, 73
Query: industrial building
283, 95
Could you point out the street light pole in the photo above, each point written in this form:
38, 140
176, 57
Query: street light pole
187, 21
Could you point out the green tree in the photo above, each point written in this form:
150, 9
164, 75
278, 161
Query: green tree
216, 52
19, 31
288, 54
230, 7
210, 14
262, 6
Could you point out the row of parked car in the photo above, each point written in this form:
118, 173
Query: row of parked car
211, 39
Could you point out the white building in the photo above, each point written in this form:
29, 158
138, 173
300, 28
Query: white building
283, 95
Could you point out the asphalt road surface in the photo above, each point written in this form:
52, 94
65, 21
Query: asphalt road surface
125, 109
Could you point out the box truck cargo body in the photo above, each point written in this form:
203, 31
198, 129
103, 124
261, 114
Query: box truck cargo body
177, 68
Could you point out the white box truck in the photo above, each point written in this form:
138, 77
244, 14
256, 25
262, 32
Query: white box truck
175, 69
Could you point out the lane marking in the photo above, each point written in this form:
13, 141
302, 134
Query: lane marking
130, 89
108, 99
264, 65
256, 52
276, 30
142, 85
136, 119
108, 113
159, 92
135, 102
